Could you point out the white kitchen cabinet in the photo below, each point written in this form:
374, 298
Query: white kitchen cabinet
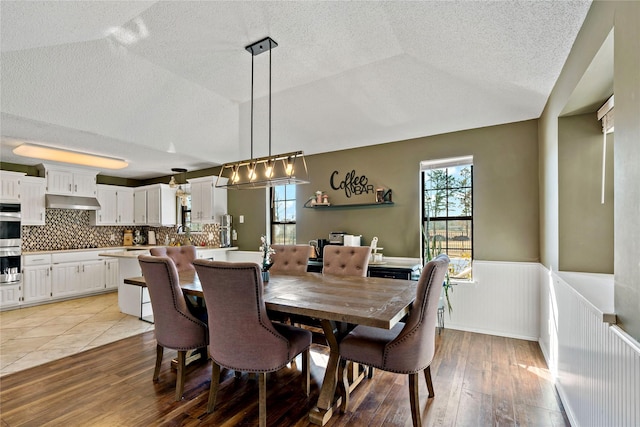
92, 276
10, 186
116, 206
77, 273
111, 273
208, 203
10, 295
69, 181
155, 205
125, 206
32, 191
65, 279
140, 206
36, 278
36, 283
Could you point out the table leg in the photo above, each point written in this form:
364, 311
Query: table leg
327, 403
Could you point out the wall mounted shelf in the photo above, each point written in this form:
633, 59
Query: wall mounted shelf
345, 206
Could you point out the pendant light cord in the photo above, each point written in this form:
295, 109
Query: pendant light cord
269, 101
252, 105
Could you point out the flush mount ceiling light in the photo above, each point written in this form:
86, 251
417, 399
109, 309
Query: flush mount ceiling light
66, 156
180, 193
272, 170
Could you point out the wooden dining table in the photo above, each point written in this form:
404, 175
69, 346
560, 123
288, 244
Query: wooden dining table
338, 302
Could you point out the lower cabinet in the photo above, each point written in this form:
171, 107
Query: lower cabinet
36, 284
62, 275
111, 273
10, 295
65, 279
77, 278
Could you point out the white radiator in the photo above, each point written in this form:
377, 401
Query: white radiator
596, 366
503, 300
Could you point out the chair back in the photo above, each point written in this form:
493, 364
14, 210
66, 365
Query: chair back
182, 256
290, 258
241, 335
413, 349
175, 326
345, 260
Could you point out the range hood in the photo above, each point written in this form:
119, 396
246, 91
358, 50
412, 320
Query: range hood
55, 201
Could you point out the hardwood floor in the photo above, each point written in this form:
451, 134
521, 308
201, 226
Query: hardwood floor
479, 380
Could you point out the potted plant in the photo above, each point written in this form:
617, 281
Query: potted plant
267, 251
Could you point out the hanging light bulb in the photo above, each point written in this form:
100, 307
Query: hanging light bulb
172, 182
289, 166
268, 168
235, 176
252, 171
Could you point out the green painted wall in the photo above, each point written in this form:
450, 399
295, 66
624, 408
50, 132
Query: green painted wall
505, 193
624, 18
586, 225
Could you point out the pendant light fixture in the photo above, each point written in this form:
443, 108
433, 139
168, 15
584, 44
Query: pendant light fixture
180, 193
269, 171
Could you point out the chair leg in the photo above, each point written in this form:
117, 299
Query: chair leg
427, 377
370, 375
343, 384
306, 376
182, 356
159, 352
414, 399
262, 396
215, 385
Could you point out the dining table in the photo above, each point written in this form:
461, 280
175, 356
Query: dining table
339, 303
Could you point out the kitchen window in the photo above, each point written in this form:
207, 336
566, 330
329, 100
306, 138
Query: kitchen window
283, 215
447, 212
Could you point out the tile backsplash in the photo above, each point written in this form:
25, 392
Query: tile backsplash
71, 229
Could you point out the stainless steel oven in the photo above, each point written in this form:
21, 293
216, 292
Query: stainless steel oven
10, 225
10, 243
10, 271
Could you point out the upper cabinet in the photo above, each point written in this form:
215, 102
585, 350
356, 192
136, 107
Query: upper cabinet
32, 191
155, 205
10, 186
69, 181
208, 203
116, 206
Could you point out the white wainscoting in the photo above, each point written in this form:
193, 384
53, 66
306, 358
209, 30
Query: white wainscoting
503, 300
596, 365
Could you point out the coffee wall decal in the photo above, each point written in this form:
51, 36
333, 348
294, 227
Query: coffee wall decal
351, 184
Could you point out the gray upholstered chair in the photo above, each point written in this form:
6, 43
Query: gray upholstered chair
345, 260
182, 256
290, 258
241, 335
175, 327
407, 348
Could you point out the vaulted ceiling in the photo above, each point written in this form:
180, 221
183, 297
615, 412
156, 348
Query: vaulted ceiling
167, 84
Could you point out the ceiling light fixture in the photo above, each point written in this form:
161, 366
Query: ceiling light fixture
272, 170
66, 156
180, 193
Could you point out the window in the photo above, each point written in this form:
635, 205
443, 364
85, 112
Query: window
283, 215
184, 216
447, 211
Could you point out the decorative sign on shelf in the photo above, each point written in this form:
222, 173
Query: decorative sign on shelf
358, 185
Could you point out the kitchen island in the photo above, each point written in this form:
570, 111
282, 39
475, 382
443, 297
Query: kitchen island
134, 300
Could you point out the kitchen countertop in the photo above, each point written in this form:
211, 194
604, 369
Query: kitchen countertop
135, 251
136, 248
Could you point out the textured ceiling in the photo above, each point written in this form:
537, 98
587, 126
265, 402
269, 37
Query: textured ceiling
167, 84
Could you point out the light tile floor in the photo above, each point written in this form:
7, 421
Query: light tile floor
36, 335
